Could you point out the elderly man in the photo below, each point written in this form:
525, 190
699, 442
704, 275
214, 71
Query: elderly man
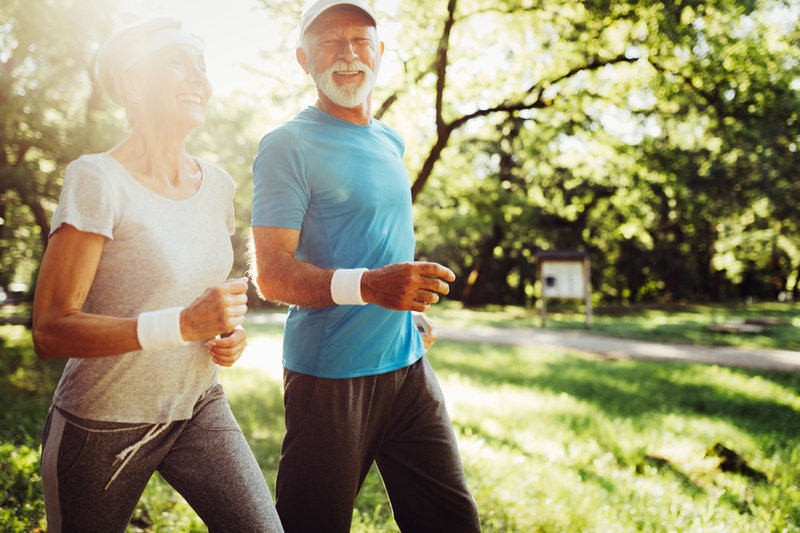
333, 238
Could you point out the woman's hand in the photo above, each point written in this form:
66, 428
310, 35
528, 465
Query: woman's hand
426, 327
219, 310
228, 348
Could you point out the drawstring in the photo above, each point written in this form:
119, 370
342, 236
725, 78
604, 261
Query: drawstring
127, 454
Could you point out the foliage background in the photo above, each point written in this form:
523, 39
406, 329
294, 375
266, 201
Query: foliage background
661, 137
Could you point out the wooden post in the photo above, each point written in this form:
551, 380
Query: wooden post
543, 299
587, 288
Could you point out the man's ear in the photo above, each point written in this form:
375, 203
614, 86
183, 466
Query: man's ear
300, 54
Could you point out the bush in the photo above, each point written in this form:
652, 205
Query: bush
21, 496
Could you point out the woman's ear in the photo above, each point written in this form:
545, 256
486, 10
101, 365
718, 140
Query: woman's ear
131, 89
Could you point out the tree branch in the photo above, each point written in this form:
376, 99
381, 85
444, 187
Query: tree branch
441, 64
444, 130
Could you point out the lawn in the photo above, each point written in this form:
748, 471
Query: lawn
551, 441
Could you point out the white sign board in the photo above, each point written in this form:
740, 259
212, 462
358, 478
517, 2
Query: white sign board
563, 279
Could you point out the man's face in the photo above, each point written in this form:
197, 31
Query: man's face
342, 55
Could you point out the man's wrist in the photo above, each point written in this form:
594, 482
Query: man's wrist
346, 286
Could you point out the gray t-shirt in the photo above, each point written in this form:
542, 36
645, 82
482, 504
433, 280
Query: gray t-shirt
159, 253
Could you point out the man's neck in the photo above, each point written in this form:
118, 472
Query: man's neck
361, 114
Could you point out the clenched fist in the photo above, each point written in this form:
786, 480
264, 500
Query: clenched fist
219, 310
413, 286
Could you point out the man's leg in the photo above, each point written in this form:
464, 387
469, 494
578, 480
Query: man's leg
327, 451
420, 462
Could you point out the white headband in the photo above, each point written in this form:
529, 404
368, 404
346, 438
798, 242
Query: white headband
154, 42
136, 42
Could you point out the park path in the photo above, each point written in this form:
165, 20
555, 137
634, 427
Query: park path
265, 353
612, 347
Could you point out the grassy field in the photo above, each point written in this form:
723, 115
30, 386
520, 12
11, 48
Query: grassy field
551, 442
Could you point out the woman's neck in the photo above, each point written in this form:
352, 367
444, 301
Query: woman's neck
160, 164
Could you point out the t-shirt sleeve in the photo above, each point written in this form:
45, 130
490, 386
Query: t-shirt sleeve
86, 200
281, 192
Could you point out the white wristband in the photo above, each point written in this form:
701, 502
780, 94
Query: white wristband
346, 286
161, 329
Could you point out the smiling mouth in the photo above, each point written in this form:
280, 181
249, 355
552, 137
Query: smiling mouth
190, 99
348, 73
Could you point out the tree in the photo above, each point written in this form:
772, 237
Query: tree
646, 195
660, 137
48, 116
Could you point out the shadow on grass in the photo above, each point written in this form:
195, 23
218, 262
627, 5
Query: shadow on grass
629, 389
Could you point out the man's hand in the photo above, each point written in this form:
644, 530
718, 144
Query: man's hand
406, 286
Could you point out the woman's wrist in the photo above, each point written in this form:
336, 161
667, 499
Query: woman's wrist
160, 329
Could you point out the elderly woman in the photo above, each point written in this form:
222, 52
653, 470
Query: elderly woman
133, 292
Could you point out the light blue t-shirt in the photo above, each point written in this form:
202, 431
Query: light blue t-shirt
345, 188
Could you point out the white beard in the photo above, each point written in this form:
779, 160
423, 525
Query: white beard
348, 95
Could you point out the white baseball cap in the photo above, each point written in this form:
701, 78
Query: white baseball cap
321, 6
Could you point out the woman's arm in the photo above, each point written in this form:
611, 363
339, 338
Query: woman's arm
60, 328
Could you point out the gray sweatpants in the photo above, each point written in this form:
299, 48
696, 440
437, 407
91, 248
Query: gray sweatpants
336, 429
95, 472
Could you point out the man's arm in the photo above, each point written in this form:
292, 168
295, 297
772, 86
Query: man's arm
280, 277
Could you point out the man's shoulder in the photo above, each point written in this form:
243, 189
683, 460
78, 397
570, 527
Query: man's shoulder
386, 129
289, 131
389, 135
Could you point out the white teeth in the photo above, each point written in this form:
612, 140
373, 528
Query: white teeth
190, 98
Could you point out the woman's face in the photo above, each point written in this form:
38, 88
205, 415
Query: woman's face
174, 87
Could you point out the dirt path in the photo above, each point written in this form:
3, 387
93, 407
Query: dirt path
265, 353
782, 360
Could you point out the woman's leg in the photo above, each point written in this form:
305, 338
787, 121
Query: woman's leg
79, 458
212, 466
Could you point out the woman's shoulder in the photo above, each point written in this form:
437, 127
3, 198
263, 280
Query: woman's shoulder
92, 169
211, 168
97, 161
214, 173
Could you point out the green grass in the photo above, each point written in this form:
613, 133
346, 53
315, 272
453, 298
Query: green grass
555, 443
551, 442
687, 323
